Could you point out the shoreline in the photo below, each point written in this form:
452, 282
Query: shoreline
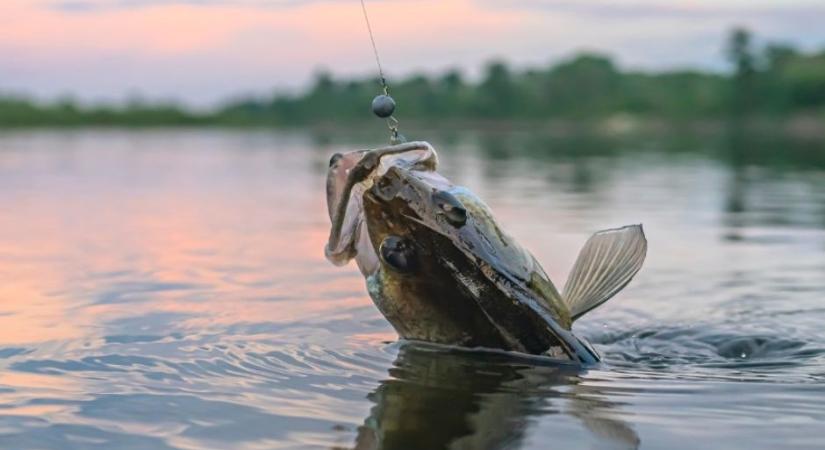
803, 126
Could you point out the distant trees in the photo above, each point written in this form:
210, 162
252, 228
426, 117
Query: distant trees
802, 78
15, 112
499, 95
583, 86
777, 80
774, 80
741, 56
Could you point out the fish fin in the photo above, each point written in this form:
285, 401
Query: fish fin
542, 285
606, 263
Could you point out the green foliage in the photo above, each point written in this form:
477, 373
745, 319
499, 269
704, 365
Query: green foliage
19, 112
803, 78
586, 86
774, 80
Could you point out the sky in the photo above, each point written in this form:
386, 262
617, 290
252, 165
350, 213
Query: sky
205, 52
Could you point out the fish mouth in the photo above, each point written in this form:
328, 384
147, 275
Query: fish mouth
414, 155
345, 188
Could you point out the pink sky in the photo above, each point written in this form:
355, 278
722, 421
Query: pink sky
205, 51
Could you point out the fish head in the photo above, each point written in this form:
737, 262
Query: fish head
348, 177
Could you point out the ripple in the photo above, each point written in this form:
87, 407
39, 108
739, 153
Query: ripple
9, 352
687, 350
126, 292
135, 339
25, 432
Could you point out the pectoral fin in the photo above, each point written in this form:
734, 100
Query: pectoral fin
605, 265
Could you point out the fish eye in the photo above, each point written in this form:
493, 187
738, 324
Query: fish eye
450, 207
398, 254
334, 159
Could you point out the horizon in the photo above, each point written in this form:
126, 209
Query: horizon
201, 53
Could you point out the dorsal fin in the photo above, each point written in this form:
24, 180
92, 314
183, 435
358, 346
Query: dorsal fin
606, 263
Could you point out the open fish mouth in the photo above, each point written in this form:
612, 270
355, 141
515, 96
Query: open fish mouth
346, 186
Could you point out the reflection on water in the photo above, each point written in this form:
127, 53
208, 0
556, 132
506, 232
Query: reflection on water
440, 398
167, 289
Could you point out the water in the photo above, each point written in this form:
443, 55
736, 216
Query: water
166, 289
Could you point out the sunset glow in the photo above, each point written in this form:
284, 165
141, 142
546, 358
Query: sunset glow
206, 51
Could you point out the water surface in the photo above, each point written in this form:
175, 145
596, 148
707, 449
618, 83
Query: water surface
167, 289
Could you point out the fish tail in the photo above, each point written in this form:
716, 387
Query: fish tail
606, 263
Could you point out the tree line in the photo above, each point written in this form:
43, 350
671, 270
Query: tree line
770, 80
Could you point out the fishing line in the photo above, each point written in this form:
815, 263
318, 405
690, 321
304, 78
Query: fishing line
383, 105
375, 49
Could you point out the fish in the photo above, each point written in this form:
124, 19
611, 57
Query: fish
440, 268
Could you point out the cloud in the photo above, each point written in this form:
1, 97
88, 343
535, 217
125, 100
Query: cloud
656, 9
87, 6
81, 6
